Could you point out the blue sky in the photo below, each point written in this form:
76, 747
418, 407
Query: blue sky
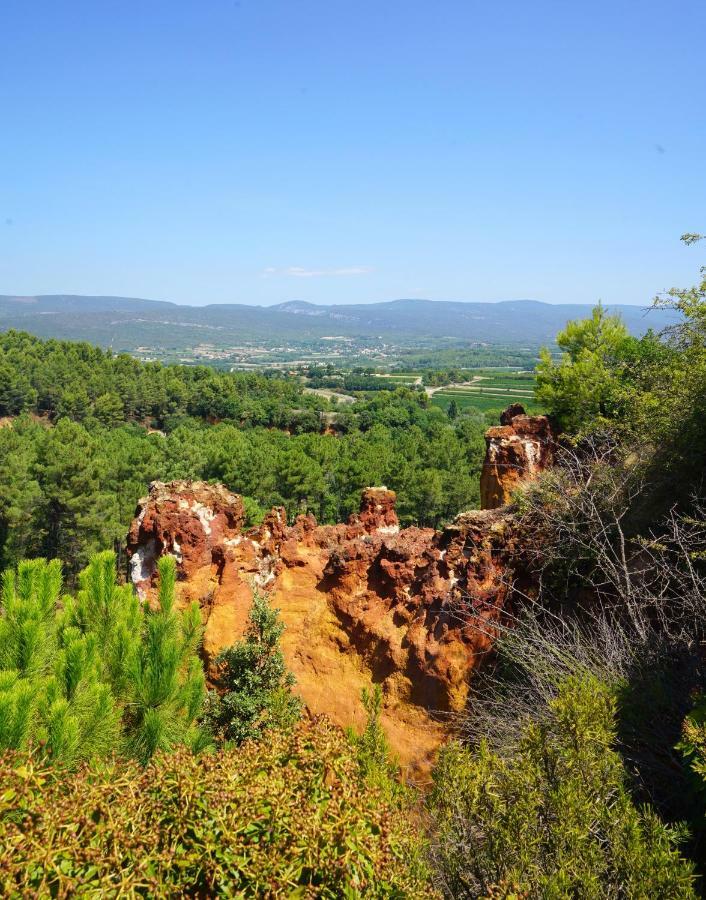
334, 151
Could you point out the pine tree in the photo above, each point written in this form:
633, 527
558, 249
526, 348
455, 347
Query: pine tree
254, 687
166, 684
110, 612
378, 766
27, 645
28, 623
51, 693
97, 673
20, 493
373, 747
75, 515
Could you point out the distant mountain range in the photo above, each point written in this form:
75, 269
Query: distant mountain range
126, 323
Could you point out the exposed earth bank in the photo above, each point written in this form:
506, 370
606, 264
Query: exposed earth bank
363, 602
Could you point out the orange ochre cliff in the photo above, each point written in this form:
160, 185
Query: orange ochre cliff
362, 602
519, 448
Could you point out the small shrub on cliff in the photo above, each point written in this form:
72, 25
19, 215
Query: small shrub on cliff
693, 744
254, 687
377, 765
553, 818
93, 674
693, 748
286, 817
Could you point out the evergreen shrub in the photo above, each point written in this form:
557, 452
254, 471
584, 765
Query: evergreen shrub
286, 817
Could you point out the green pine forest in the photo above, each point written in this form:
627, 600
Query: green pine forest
91, 430
578, 769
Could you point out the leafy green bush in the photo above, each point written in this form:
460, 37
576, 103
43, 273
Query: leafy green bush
285, 817
97, 673
553, 818
584, 386
253, 687
605, 377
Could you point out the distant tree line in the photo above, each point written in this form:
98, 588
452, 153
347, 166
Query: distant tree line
75, 380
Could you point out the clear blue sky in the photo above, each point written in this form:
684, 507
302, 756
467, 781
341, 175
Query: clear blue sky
335, 151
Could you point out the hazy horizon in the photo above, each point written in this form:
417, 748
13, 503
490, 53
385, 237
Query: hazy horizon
567, 302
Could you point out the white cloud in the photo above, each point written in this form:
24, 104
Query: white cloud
301, 272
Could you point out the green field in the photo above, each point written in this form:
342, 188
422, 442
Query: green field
482, 402
496, 390
401, 379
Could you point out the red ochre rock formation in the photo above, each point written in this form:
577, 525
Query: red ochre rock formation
362, 602
519, 448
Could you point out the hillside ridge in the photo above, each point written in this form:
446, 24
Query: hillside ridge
126, 323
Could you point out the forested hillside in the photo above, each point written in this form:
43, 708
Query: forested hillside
86, 431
